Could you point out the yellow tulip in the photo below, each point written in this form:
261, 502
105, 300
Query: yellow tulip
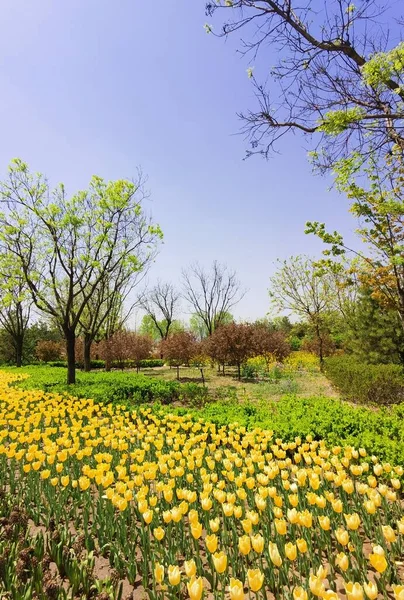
195, 588
378, 560
159, 572
220, 561
45, 474
274, 554
291, 551
159, 533
299, 593
174, 575
330, 595
255, 579
353, 521
324, 523
190, 568
342, 561
244, 544
236, 589
214, 524
316, 585
148, 516
281, 526
302, 545
84, 483
354, 591
398, 592
388, 533
371, 590
257, 542
342, 536
206, 504
211, 542
196, 530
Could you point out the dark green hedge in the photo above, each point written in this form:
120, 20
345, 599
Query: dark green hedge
150, 363
366, 384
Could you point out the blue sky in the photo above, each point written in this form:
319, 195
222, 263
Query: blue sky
101, 87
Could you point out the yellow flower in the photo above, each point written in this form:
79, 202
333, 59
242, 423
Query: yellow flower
174, 575
388, 533
371, 590
302, 545
316, 585
195, 588
196, 530
45, 474
255, 579
257, 542
299, 593
84, 483
324, 523
236, 589
214, 524
220, 561
281, 526
274, 554
353, 521
378, 560
159, 533
342, 536
206, 504
354, 591
291, 551
398, 592
244, 544
211, 542
330, 595
342, 561
190, 568
159, 572
148, 516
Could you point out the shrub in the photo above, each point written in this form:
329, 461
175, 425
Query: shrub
48, 350
364, 383
302, 361
150, 363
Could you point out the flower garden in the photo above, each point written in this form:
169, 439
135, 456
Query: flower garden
99, 501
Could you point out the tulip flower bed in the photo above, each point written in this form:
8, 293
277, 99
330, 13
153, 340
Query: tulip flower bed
182, 509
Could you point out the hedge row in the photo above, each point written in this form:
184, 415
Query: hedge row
149, 363
366, 384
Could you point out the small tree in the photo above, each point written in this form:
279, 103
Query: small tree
118, 349
299, 287
269, 343
178, 349
48, 350
141, 348
232, 343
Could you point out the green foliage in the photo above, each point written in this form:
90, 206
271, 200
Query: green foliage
384, 66
365, 383
116, 387
337, 121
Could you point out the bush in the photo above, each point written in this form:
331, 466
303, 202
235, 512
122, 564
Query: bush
48, 350
364, 383
302, 361
150, 363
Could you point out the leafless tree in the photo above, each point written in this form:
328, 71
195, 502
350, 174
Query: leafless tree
322, 52
211, 294
161, 304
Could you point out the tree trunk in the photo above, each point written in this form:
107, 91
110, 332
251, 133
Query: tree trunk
87, 352
203, 376
71, 356
320, 346
239, 371
19, 344
178, 372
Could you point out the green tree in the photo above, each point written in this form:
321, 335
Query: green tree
337, 77
67, 248
377, 202
298, 287
15, 308
198, 327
